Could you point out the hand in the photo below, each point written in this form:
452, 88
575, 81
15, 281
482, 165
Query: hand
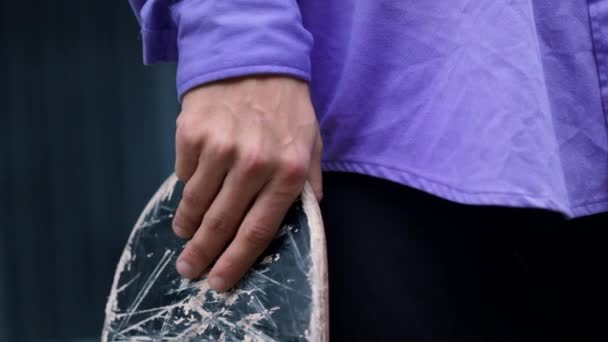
245, 148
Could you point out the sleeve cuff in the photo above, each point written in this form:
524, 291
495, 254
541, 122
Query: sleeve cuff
184, 87
226, 39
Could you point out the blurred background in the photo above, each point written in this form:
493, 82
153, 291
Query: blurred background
86, 137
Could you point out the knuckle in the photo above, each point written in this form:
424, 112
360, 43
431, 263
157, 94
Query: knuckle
186, 118
189, 137
196, 251
184, 224
254, 162
222, 149
180, 221
182, 233
258, 234
216, 224
190, 198
294, 171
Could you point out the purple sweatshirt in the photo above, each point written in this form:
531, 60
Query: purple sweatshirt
489, 102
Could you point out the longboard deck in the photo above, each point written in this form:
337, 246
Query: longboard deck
282, 298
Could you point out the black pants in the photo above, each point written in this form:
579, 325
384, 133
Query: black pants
408, 266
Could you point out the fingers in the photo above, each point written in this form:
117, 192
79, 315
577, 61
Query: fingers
215, 160
255, 233
220, 222
197, 196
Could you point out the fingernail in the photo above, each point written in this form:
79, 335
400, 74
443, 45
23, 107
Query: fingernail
217, 283
185, 269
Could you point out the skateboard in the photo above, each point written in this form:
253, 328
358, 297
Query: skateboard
282, 298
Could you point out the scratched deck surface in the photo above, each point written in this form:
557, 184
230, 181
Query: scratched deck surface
283, 298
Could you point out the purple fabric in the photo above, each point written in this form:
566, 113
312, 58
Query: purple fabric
488, 102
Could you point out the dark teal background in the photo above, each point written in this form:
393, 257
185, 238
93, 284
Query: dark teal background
86, 136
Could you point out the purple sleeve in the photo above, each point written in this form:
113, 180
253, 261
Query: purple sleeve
217, 39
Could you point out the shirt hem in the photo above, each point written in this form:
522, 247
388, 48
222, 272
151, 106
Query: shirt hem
451, 193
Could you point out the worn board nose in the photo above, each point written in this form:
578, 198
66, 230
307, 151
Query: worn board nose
282, 298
